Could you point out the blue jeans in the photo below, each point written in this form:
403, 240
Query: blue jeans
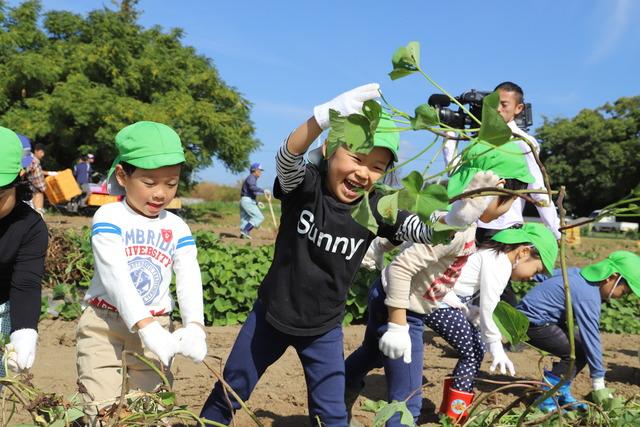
259, 345
250, 213
403, 380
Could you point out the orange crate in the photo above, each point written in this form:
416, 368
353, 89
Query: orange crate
62, 187
101, 199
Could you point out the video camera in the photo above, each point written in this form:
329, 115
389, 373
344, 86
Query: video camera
460, 119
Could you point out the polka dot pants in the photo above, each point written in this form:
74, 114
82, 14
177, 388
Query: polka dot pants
453, 326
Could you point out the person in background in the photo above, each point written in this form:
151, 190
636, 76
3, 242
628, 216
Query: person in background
82, 170
36, 175
250, 215
544, 306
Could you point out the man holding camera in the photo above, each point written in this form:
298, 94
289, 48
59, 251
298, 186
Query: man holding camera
511, 105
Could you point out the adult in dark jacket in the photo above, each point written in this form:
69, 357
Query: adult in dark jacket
250, 215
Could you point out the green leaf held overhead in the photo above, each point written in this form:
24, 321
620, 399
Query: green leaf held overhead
362, 215
406, 60
426, 117
494, 130
421, 201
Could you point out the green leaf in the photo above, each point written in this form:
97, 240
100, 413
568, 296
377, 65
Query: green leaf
389, 410
363, 216
168, 398
421, 201
74, 413
388, 208
513, 324
336, 135
373, 406
358, 134
426, 116
493, 130
372, 111
406, 60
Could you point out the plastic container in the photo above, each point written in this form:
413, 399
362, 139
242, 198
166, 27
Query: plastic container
62, 187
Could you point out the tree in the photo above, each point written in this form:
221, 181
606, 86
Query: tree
596, 154
74, 81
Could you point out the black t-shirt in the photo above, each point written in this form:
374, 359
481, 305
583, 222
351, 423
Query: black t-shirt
23, 247
318, 251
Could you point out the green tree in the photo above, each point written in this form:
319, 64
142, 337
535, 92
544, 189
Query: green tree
73, 81
596, 154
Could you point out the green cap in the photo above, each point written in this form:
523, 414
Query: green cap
506, 161
146, 145
624, 262
385, 137
538, 235
10, 156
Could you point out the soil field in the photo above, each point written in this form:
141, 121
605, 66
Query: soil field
279, 399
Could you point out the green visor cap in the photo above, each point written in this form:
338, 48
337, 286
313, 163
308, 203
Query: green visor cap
507, 161
10, 156
146, 145
538, 235
624, 262
387, 136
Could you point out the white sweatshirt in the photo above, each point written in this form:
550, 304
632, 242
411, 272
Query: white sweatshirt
548, 214
487, 272
134, 258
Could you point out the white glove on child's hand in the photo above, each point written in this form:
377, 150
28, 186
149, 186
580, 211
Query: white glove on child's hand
160, 341
192, 342
452, 300
374, 257
467, 211
396, 342
500, 359
346, 103
21, 350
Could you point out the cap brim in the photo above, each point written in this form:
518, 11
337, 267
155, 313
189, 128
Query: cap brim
7, 178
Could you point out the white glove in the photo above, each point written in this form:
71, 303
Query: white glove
160, 341
267, 193
346, 103
396, 342
452, 300
500, 359
21, 350
192, 342
597, 383
467, 211
472, 313
374, 257
52, 173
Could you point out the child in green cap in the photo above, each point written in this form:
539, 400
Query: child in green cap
23, 247
318, 251
420, 278
544, 305
137, 246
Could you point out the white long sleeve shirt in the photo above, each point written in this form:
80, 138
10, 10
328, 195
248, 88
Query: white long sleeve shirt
548, 213
487, 272
135, 258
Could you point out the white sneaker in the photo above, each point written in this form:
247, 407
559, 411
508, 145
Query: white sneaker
244, 235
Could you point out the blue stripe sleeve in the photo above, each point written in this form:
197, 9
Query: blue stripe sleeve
186, 241
105, 226
183, 239
105, 230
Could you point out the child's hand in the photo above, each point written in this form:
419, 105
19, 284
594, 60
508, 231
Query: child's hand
192, 342
500, 359
160, 341
346, 103
396, 342
467, 211
21, 351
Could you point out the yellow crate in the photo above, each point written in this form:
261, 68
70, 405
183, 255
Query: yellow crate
573, 236
62, 187
101, 199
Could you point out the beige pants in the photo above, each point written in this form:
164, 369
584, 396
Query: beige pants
102, 337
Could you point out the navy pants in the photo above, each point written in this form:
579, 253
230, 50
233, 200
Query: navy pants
554, 339
259, 345
403, 380
452, 325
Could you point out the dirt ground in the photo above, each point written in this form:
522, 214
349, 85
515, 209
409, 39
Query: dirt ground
279, 399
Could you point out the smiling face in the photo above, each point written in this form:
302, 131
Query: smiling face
525, 264
349, 172
149, 190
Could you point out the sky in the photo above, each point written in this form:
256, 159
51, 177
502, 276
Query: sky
287, 56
